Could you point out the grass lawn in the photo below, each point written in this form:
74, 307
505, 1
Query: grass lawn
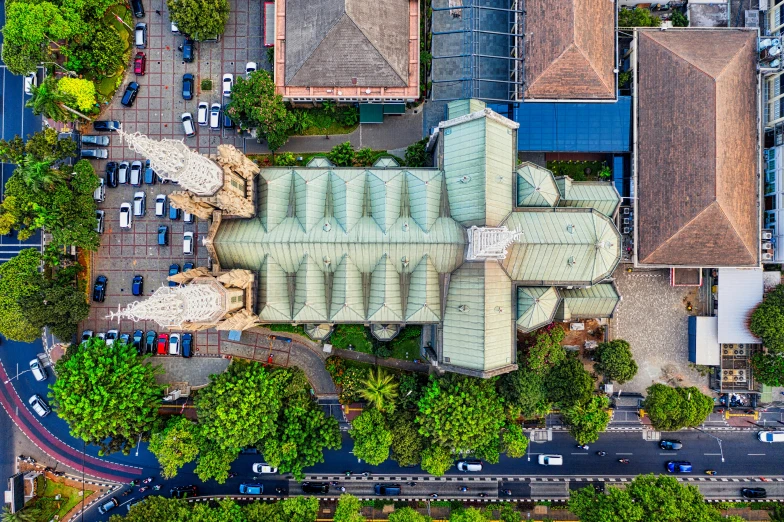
107, 86
290, 328
576, 169
407, 350
352, 334
69, 497
332, 129
265, 160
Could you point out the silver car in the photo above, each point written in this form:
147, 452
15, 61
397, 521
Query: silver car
101, 141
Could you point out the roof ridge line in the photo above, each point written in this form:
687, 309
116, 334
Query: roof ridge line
531, 84
326, 33
734, 57
680, 57
735, 230
404, 80
590, 64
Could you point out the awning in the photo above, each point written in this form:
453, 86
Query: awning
394, 108
704, 341
740, 292
371, 113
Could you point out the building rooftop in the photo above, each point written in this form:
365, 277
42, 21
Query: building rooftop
697, 146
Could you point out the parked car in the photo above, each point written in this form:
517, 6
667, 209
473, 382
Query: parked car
136, 340
99, 194
184, 491
187, 50
139, 204
174, 213
315, 487
111, 336
122, 173
38, 371
111, 174
215, 116
174, 28
112, 502
126, 219
667, 444
136, 173
551, 460
187, 217
86, 335
201, 113
99, 217
149, 341
387, 490
679, 466
149, 174
469, 465
130, 94
187, 127
140, 35
99, 289
163, 343
174, 344
138, 8
187, 266
163, 235
187, 243
93, 154
30, 80
139, 64
92, 139
771, 436
125, 338
187, 86
251, 489
228, 83
106, 125
227, 123
101, 336
39, 405
754, 492
263, 467
174, 269
250, 67
187, 345
160, 205
137, 285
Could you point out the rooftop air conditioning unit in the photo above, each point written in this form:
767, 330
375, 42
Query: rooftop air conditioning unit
766, 246
767, 235
767, 256
626, 221
626, 210
627, 230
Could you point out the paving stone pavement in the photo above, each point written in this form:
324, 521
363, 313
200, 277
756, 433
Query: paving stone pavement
653, 319
196, 372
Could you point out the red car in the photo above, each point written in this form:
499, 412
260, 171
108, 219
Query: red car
139, 64
163, 343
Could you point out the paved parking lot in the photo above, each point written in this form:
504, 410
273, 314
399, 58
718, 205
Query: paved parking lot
159, 104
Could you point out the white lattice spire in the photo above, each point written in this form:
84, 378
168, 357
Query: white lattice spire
175, 161
170, 307
489, 243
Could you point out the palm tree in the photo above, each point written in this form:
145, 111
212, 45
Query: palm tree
30, 514
38, 175
47, 101
380, 390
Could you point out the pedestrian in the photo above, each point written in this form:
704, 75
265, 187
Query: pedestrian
158, 12
327, 136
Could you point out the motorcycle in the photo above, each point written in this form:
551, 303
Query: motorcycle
434, 495
710, 472
279, 490
333, 483
148, 480
601, 453
583, 446
623, 461
507, 492
483, 494
348, 473
412, 484
127, 492
464, 489
133, 483
143, 489
233, 474
157, 487
342, 489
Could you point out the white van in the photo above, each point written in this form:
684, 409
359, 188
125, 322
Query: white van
139, 204
126, 218
551, 460
100, 193
771, 436
187, 243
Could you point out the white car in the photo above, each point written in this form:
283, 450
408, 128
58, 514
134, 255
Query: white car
101, 336
187, 217
30, 80
201, 114
469, 465
187, 124
160, 205
228, 82
174, 28
122, 173
38, 371
187, 243
771, 436
551, 460
263, 467
126, 216
174, 344
112, 336
249, 68
100, 193
39, 405
136, 173
215, 116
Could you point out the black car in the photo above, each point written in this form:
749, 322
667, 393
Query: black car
187, 266
137, 286
173, 270
136, 341
667, 444
149, 174
227, 123
187, 86
99, 289
187, 50
387, 490
149, 341
315, 487
138, 8
111, 174
187, 344
130, 94
184, 491
754, 492
106, 125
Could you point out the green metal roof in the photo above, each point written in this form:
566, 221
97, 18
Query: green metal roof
273, 298
536, 187
348, 298
310, 300
424, 294
479, 162
458, 108
478, 330
593, 302
371, 113
385, 303
562, 247
599, 195
535, 307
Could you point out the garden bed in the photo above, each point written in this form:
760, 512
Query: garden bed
45, 501
577, 169
327, 118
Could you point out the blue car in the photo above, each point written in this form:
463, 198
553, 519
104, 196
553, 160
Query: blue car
679, 466
174, 213
173, 270
251, 489
187, 86
149, 174
187, 345
137, 287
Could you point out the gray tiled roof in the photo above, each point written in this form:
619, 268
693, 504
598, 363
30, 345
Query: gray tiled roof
331, 42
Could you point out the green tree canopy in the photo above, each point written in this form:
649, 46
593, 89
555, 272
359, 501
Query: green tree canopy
214, 461
292, 509
547, 351
416, 154
22, 59
175, 446
156, 507
615, 361
767, 321
461, 413
20, 280
637, 17
524, 394
255, 104
514, 441
437, 460
100, 51
647, 498
768, 368
568, 383
342, 154
81, 91
200, 19
372, 438
587, 421
471, 515
40, 23
106, 394
408, 514
348, 509
380, 390
671, 409
407, 442
46, 100
43, 146
58, 304
224, 510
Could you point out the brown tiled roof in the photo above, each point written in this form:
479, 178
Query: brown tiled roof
697, 148
570, 49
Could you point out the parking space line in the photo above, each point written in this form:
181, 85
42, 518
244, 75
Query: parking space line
755, 454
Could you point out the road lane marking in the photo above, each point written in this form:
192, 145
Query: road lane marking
756, 454
624, 453
717, 454
579, 454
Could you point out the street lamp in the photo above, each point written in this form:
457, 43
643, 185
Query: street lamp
138, 444
721, 451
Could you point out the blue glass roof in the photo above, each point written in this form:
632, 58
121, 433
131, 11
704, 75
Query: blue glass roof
571, 127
